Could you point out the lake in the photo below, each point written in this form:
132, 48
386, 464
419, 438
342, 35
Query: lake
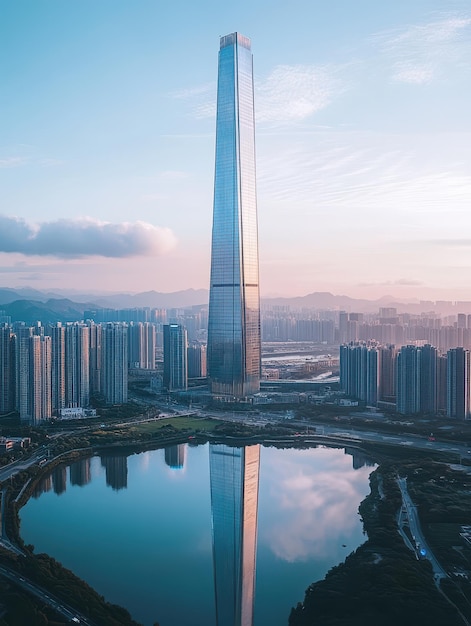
169, 534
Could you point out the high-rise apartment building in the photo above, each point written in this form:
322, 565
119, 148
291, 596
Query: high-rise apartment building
95, 357
458, 383
6, 369
442, 366
387, 367
57, 334
359, 371
114, 370
40, 378
141, 345
234, 502
234, 350
175, 357
22, 335
77, 365
428, 379
196, 360
408, 380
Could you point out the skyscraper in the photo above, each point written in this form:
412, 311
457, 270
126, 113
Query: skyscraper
408, 380
234, 504
141, 345
57, 334
359, 371
95, 357
22, 374
458, 383
6, 368
114, 354
387, 368
234, 300
40, 378
175, 357
77, 365
428, 379
196, 360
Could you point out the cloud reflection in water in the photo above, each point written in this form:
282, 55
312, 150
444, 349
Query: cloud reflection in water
310, 496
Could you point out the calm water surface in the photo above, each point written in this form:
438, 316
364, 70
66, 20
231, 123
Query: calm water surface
138, 529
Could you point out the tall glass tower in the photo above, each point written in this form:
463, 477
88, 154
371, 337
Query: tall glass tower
233, 355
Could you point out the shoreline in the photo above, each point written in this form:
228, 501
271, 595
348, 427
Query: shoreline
379, 507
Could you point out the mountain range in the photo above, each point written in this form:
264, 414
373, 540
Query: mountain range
29, 305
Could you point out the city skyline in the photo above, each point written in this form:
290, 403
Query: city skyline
106, 159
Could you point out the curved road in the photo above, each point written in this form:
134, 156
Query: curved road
45, 596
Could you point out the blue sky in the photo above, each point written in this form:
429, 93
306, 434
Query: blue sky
363, 144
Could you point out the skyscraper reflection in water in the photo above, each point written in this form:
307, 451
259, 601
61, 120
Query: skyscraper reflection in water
116, 471
234, 502
80, 472
175, 456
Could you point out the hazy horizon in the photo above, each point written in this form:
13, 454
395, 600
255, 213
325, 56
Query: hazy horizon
363, 143
384, 299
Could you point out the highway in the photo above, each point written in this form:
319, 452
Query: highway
4, 541
459, 451
45, 596
420, 547
10, 470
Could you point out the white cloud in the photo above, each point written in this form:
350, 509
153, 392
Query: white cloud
295, 92
407, 72
366, 174
67, 238
313, 499
421, 53
194, 92
12, 162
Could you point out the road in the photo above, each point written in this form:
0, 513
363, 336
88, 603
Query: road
421, 548
10, 470
45, 596
4, 541
459, 451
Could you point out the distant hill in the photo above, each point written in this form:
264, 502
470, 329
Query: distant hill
10, 295
154, 299
56, 303
51, 311
30, 304
327, 300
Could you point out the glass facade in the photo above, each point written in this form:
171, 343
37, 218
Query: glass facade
234, 303
234, 476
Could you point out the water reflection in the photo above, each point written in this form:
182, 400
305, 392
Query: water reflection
175, 456
59, 479
289, 514
43, 486
80, 473
116, 471
315, 505
234, 476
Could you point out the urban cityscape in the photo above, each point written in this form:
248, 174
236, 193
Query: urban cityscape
233, 456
